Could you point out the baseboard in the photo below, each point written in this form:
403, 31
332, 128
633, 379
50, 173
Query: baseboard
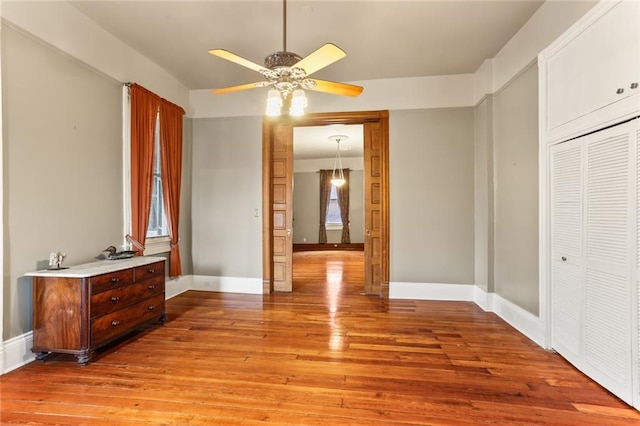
523, 321
431, 291
175, 286
16, 352
227, 284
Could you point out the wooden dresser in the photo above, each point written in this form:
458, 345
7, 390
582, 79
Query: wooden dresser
79, 309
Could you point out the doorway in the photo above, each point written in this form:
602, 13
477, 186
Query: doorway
277, 192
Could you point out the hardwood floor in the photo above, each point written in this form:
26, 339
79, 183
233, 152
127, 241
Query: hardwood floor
324, 354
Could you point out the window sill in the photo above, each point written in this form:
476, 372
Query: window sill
157, 245
333, 227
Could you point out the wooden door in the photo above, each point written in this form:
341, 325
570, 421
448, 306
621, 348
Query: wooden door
282, 207
373, 221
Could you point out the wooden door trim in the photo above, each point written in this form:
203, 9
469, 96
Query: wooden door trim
321, 119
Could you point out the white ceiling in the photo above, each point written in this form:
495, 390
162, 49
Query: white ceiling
314, 141
383, 39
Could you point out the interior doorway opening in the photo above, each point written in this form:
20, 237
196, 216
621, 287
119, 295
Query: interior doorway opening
327, 216
278, 172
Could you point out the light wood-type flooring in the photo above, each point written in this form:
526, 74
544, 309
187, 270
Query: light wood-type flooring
323, 355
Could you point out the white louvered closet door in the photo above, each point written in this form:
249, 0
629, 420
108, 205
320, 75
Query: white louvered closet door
595, 265
609, 239
566, 250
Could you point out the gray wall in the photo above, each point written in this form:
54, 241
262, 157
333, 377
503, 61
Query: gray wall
483, 167
431, 202
516, 191
431, 196
227, 188
306, 208
185, 198
62, 165
62, 130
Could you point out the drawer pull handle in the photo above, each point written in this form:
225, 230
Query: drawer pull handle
115, 323
151, 307
634, 85
114, 279
620, 91
151, 271
114, 299
564, 259
151, 287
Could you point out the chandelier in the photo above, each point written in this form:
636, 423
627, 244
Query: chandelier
337, 176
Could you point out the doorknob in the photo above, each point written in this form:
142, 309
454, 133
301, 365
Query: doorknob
368, 233
288, 232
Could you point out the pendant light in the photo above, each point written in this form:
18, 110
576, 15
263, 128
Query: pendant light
337, 177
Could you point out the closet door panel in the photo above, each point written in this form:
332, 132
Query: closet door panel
608, 318
566, 249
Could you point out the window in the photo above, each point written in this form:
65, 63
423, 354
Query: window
157, 238
157, 217
334, 219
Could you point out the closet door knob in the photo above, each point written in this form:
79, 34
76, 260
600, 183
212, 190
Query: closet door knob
620, 91
564, 259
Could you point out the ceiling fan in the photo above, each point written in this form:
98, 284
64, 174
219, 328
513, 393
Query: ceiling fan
288, 72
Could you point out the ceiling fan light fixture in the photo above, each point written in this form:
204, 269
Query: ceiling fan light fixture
274, 103
298, 103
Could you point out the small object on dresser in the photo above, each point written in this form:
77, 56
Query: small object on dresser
56, 258
114, 254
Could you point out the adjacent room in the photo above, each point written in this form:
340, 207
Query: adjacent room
320, 212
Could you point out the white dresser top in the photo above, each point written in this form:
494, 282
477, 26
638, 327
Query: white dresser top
98, 267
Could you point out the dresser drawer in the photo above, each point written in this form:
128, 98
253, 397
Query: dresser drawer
146, 271
110, 281
118, 298
120, 322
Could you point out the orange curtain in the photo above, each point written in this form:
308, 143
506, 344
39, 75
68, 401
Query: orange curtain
171, 158
144, 109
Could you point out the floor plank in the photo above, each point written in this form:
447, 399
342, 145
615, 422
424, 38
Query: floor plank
324, 354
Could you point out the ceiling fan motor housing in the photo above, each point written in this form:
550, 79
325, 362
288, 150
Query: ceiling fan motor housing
281, 59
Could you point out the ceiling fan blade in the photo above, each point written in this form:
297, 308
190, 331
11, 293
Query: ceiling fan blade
225, 54
326, 55
237, 88
336, 88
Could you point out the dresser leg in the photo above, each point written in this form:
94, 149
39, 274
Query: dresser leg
163, 318
83, 358
41, 356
